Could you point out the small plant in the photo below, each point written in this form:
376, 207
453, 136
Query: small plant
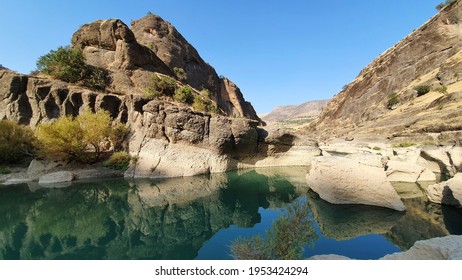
376, 148
423, 89
4, 170
16, 141
118, 161
429, 143
441, 5
184, 95
160, 86
392, 100
285, 240
440, 107
403, 145
443, 89
180, 73
201, 103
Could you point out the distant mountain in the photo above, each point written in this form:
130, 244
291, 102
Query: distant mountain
306, 110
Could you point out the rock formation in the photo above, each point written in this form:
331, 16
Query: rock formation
448, 192
288, 113
341, 180
384, 98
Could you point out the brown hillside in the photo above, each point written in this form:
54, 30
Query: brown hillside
384, 98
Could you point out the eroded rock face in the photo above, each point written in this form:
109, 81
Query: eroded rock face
431, 55
341, 180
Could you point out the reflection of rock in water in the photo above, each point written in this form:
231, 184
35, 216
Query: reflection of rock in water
162, 219
424, 220
343, 222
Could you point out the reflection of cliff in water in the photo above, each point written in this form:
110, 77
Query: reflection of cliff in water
162, 219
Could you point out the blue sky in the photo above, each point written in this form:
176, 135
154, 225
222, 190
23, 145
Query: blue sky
279, 52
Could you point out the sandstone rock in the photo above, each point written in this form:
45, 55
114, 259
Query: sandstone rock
441, 248
52, 179
427, 175
448, 192
455, 153
369, 159
39, 167
344, 181
16, 178
440, 156
398, 171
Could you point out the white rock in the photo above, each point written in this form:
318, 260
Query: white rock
369, 159
440, 156
427, 175
398, 171
448, 192
39, 167
159, 159
56, 177
456, 157
341, 180
440, 248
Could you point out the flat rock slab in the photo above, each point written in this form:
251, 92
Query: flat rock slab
341, 180
56, 178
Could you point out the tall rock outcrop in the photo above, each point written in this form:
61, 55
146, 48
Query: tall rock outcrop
182, 58
385, 97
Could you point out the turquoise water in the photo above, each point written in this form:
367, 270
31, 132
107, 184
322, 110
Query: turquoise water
199, 218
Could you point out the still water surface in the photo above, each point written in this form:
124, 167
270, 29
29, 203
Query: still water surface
199, 218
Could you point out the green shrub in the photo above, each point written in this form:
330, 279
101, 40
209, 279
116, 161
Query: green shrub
443, 89
376, 148
4, 170
84, 139
180, 73
392, 100
16, 141
403, 145
184, 95
68, 64
161, 86
441, 5
118, 161
201, 103
285, 240
422, 90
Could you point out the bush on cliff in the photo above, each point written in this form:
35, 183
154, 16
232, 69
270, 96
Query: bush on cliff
160, 86
68, 64
83, 139
184, 94
16, 141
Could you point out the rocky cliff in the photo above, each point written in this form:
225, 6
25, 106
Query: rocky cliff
153, 45
414, 87
169, 139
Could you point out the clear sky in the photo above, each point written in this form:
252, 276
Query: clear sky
279, 52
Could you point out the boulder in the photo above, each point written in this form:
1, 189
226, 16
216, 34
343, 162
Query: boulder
440, 248
398, 171
39, 167
56, 178
345, 181
448, 192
